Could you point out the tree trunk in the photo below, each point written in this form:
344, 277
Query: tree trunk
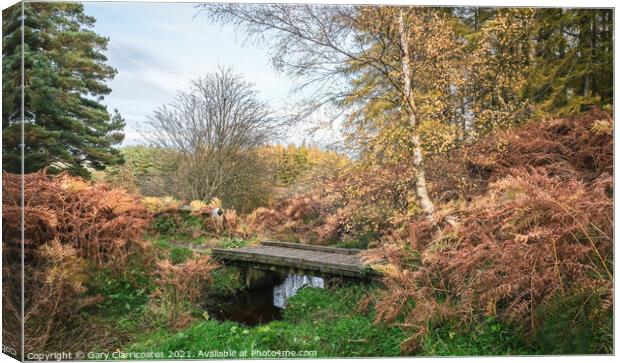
418, 158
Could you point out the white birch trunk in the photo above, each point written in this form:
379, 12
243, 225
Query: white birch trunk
418, 158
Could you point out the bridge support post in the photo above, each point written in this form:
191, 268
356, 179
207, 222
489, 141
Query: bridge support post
257, 278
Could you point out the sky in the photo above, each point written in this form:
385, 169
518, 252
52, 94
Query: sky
157, 48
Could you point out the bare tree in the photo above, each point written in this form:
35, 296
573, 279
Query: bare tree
216, 128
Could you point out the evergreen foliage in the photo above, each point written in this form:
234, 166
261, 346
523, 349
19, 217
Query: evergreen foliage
66, 125
148, 170
572, 68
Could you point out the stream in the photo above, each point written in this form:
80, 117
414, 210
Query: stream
262, 305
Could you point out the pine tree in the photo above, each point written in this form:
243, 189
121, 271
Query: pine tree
572, 68
66, 125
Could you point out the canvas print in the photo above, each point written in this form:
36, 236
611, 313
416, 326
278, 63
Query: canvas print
197, 181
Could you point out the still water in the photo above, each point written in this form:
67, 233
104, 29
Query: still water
262, 305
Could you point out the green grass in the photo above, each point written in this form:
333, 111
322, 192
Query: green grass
575, 324
324, 321
166, 249
163, 240
179, 254
121, 294
358, 242
234, 242
489, 337
182, 222
121, 313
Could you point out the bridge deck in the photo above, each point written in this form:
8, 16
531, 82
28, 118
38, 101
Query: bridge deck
327, 260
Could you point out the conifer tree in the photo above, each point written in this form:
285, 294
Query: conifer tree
572, 68
66, 125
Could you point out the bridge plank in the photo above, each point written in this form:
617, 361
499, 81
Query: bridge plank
346, 251
283, 254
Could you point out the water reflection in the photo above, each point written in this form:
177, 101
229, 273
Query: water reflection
290, 286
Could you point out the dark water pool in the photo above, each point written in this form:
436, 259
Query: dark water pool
262, 305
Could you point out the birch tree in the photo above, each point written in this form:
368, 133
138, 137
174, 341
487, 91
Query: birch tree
418, 159
327, 47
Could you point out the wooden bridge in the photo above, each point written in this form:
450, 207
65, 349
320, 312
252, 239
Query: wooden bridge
282, 257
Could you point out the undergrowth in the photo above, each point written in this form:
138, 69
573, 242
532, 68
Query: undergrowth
73, 227
526, 270
486, 337
534, 239
315, 320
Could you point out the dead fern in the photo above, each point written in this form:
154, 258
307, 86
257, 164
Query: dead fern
539, 226
179, 289
70, 226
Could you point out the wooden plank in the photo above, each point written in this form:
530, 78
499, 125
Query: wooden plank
346, 251
280, 254
319, 268
308, 261
317, 256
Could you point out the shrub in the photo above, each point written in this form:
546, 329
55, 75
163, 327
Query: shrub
194, 220
577, 147
101, 223
161, 205
54, 292
166, 223
359, 205
121, 294
179, 223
